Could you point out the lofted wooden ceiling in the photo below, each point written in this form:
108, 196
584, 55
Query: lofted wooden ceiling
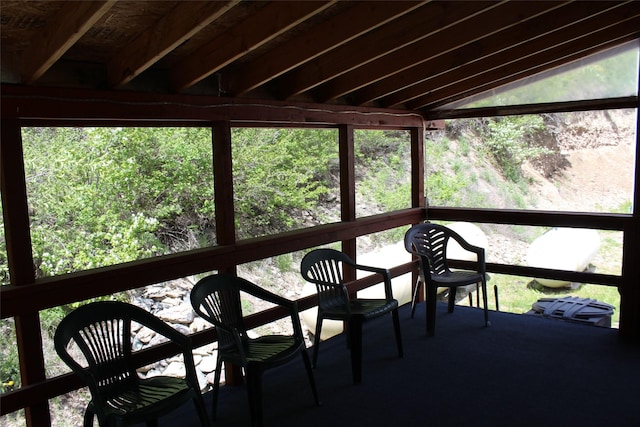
412, 55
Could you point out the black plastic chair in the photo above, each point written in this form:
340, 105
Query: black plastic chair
429, 242
119, 397
217, 299
324, 268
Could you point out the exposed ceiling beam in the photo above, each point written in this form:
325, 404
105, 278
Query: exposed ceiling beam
563, 53
385, 39
492, 20
70, 23
396, 54
500, 48
359, 18
177, 26
271, 21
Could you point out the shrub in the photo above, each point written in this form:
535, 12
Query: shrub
510, 141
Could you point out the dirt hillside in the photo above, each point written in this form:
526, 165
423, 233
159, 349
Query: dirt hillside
599, 150
596, 175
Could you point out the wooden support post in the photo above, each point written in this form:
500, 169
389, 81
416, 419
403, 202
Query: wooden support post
417, 192
347, 190
225, 211
417, 167
20, 260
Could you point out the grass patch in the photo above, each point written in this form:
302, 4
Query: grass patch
517, 294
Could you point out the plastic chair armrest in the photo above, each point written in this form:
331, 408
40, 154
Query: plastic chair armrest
386, 275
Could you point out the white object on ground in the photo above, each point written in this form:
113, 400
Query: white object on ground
570, 249
473, 235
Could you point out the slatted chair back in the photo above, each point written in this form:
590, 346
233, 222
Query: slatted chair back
103, 335
101, 331
429, 241
218, 301
324, 268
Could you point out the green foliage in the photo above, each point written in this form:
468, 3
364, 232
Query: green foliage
448, 180
626, 208
445, 189
381, 168
284, 262
102, 196
612, 76
4, 264
277, 173
509, 141
9, 365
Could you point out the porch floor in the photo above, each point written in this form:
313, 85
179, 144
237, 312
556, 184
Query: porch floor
521, 371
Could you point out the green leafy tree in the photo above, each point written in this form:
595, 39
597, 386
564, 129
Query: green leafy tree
278, 173
382, 169
510, 141
101, 196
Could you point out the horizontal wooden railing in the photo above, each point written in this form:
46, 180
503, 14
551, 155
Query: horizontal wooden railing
55, 291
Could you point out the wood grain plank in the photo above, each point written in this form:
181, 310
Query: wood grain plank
70, 23
258, 29
358, 19
177, 26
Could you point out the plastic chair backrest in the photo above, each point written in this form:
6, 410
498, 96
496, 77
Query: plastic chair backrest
323, 267
429, 241
102, 332
217, 299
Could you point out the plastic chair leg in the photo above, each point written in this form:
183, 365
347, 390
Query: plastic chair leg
316, 341
202, 411
414, 299
396, 328
216, 388
485, 301
355, 333
88, 418
452, 299
254, 392
312, 380
431, 310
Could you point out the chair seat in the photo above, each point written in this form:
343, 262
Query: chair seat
106, 363
218, 299
365, 308
275, 348
457, 278
324, 267
148, 396
429, 242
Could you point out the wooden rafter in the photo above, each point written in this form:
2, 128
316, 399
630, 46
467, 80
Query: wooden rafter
70, 23
533, 64
473, 27
181, 23
407, 29
358, 19
500, 48
254, 32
